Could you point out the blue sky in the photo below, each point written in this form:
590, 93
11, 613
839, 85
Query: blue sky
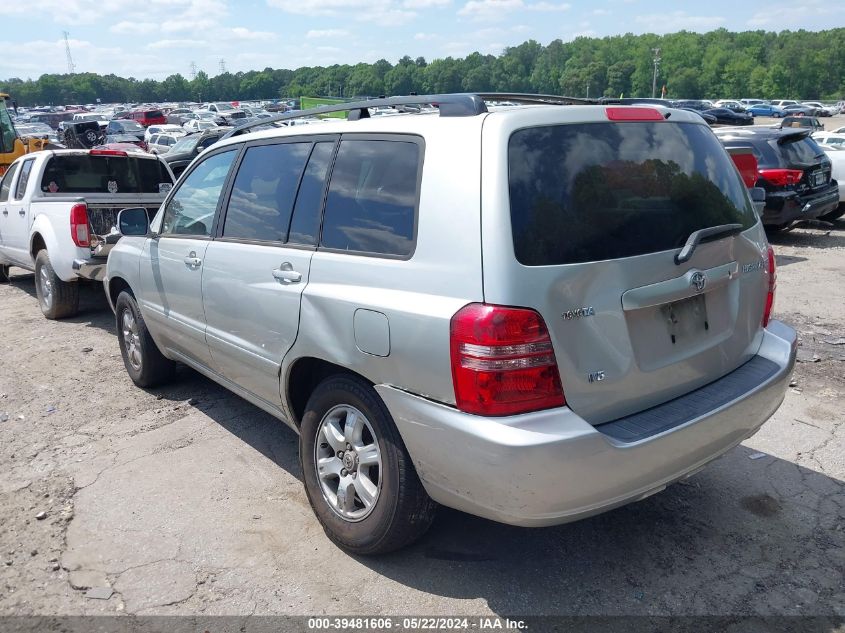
156, 38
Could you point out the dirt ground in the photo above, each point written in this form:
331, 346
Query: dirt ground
188, 500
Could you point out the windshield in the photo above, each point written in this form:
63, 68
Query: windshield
600, 191
83, 173
130, 126
224, 106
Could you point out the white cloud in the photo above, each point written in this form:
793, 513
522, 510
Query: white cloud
679, 21
165, 44
241, 33
425, 37
134, 28
498, 9
319, 7
778, 15
316, 34
387, 17
425, 4
490, 9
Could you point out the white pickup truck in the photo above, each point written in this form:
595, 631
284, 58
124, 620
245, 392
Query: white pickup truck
58, 210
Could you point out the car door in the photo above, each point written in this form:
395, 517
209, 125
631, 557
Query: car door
17, 232
173, 266
6, 218
258, 265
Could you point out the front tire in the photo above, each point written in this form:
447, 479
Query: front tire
57, 299
358, 475
144, 362
4, 272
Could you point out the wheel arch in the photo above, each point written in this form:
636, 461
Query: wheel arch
303, 376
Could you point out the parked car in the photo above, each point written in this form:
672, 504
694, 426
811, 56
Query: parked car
80, 134
836, 154
123, 126
144, 117
692, 104
782, 103
189, 147
126, 139
161, 143
226, 110
708, 118
730, 104
729, 117
765, 109
57, 210
830, 139
177, 116
821, 110
809, 122
752, 102
174, 130
799, 109
604, 330
199, 125
794, 171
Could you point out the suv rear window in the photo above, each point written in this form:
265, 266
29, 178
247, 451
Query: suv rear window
800, 149
82, 173
598, 191
153, 114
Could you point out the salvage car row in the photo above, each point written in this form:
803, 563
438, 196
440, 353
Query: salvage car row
572, 323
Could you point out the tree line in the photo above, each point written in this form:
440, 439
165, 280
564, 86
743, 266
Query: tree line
788, 65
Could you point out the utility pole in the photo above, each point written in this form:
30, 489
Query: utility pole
656, 60
222, 66
588, 90
193, 71
71, 68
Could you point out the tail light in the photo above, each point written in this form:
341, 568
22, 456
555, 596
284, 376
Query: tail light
79, 225
782, 177
633, 113
502, 361
773, 283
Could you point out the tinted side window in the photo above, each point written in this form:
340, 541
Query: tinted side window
305, 224
372, 197
191, 209
23, 180
6, 183
264, 191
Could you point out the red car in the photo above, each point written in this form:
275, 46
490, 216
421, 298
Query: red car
145, 117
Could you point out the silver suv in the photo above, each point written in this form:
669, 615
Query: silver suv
532, 313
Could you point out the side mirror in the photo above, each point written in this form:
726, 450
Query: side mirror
133, 221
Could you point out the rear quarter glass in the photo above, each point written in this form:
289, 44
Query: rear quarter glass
599, 191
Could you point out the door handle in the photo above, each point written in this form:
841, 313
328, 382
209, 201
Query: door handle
286, 274
5, 212
22, 212
192, 260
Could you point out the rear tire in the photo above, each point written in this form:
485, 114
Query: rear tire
366, 494
58, 299
144, 362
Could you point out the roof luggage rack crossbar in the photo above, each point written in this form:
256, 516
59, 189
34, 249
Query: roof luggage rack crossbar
449, 105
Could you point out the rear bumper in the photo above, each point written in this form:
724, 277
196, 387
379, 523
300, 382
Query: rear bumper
94, 268
553, 467
782, 210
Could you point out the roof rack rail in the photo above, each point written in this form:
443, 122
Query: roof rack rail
449, 105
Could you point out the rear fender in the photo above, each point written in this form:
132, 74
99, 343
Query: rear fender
59, 246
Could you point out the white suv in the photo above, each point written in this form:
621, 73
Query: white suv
532, 314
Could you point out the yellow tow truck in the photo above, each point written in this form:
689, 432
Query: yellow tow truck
12, 145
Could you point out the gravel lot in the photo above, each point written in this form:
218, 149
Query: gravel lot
186, 499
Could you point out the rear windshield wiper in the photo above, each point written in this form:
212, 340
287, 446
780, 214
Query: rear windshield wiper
701, 234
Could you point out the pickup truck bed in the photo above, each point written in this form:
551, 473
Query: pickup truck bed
58, 213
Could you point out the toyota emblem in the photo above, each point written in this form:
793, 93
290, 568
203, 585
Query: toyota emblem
698, 281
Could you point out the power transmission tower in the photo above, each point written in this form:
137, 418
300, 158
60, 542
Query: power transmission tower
222, 66
71, 68
193, 71
656, 60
